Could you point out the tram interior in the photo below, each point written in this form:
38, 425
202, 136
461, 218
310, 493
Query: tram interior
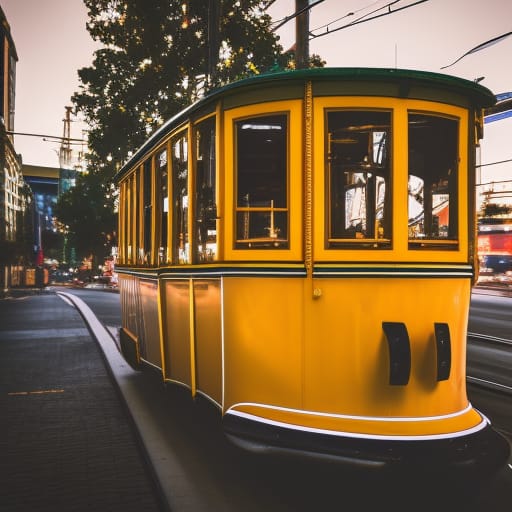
359, 167
261, 160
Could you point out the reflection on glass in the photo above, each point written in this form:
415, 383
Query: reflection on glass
359, 178
206, 210
162, 175
262, 182
433, 170
179, 162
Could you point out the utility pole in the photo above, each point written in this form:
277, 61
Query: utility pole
67, 174
65, 146
214, 10
302, 34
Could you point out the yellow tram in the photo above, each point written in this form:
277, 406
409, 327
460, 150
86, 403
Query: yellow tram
299, 248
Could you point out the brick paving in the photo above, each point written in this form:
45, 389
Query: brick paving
67, 442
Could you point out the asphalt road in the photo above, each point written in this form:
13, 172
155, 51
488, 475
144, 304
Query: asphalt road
200, 471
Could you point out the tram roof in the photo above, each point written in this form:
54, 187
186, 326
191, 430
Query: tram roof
478, 95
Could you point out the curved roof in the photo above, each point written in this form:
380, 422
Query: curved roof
478, 95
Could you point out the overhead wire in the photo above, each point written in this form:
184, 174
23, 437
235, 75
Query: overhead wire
286, 19
364, 19
479, 47
352, 13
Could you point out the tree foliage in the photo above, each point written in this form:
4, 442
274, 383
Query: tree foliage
155, 61
87, 218
155, 58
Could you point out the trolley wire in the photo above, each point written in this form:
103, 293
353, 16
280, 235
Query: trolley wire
481, 46
365, 18
286, 19
351, 13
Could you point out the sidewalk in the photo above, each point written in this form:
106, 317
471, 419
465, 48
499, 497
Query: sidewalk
67, 443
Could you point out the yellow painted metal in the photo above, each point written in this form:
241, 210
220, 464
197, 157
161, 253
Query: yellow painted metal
311, 352
177, 331
263, 341
162, 315
153, 249
373, 427
329, 355
192, 345
149, 311
308, 178
191, 197
208, 337
220, 181
400, 183
120, 223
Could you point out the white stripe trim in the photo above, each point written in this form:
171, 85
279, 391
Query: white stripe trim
394, 274
301, 428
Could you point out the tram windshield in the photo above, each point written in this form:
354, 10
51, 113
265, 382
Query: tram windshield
433, 170
359, 178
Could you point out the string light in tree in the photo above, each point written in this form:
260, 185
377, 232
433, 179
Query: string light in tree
185, 21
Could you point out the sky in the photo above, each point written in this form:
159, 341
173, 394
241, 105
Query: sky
52, 43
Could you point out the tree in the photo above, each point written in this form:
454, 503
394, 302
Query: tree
155, 61
86, 216
156, 58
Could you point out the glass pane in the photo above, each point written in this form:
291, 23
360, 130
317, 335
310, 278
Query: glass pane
161, 165
261, 178
206, 210
358, 169
179, 155
433, 169
148, 195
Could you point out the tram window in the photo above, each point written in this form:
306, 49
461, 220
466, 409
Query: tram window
205, 246
162, 175
262, 182
128, 201
179, 165
135, 226
358, 168
148, 207
433, 172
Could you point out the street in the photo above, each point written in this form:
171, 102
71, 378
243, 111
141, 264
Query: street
196, 462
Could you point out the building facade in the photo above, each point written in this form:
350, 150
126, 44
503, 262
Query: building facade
17, 220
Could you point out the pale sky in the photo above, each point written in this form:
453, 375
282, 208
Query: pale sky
52, 44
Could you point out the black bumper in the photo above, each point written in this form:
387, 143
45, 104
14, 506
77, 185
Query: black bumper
477, 454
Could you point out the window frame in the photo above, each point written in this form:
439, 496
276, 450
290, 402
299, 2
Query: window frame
375, 242
293, 110
400, 250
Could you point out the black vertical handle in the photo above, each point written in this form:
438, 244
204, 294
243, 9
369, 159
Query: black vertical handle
399, 352
444, 351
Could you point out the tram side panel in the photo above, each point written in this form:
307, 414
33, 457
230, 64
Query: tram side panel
140, 333
263, 341
323, 361
347, 359
192, 336
177, 332
149, 309
208, 338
